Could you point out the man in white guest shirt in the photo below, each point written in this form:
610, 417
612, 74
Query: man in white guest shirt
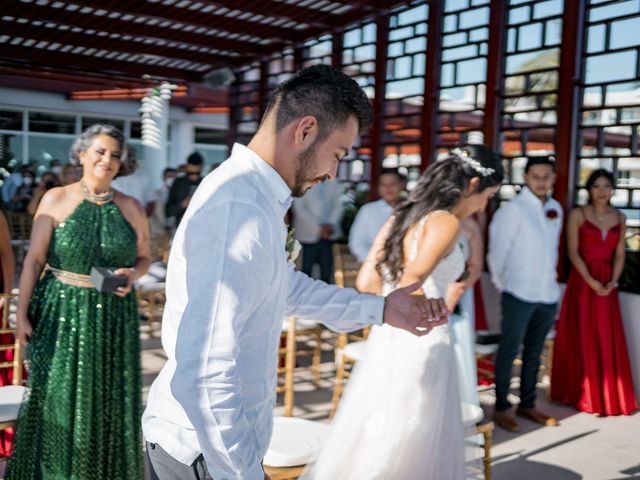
229, 286
316, 221
138, 186
523, 255
373, 215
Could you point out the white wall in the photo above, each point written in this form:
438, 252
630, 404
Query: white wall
182, 122
629, 306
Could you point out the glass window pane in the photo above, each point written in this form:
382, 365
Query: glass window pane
10, 150
611, 67
530, 36
454, 39
10, 119
472, 71
479, 34
44, 148
519, 15
614, 10
136, 130
625, 33
553, 35
453, 5
213, 155
474, 18
413, 15
52, 123
547, 9
210, 136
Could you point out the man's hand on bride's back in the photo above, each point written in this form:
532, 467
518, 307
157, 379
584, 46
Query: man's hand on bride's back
414, 313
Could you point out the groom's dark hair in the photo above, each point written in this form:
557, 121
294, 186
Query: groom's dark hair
323, 92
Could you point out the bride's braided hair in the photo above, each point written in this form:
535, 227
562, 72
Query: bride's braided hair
440, 187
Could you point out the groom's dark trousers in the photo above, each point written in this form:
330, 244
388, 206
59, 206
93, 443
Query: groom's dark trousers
527, 324
164, 467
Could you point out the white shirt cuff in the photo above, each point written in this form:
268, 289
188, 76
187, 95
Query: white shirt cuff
372, 309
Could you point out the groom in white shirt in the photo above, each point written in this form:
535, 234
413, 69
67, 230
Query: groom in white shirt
523, 255
229, 286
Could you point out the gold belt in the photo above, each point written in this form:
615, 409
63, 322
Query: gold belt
71, 278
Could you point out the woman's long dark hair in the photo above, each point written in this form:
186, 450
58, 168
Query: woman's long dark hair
595, 175
440, 187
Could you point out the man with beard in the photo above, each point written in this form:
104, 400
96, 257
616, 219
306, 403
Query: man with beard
229, 286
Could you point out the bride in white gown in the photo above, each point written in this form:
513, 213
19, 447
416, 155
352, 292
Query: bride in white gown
400, 416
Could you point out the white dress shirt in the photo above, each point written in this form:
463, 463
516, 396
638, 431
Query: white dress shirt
229, 287
136, 185
523, 248
370, 219
320, 205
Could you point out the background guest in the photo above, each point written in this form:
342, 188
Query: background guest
47, 182
184, 187
70, 174
523, 254
373, 215
159, 221
24, 192
137, 185
316, 221
84, 346
590, 362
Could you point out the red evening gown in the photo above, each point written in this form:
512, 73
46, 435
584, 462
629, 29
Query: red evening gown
590, 361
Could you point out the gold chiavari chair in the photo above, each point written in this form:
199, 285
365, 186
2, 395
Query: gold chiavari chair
11, 396
349, 346
151, 300
295, 332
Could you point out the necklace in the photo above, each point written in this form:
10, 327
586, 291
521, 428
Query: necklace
599, 216
100, 199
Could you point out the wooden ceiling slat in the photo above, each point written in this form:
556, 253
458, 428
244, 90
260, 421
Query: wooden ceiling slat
10, 75
32, 57
363, 10
87, 21
191, 17
310, 16
106, 43
107, 31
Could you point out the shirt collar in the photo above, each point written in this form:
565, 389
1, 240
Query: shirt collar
531, 198
278, 187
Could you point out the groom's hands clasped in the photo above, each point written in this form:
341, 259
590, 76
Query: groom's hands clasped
414, 313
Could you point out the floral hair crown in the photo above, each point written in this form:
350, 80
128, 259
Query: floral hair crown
464, 156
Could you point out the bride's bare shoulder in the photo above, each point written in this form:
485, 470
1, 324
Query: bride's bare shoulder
441, 222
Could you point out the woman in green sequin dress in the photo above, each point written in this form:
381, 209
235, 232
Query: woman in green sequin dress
81, 419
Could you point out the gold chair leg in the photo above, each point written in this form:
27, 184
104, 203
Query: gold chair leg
339, 385
316, 359
487, 432
289, 366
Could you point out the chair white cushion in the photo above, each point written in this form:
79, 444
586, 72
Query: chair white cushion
11, 398
486, 349
471, 414
355, 350
295, 441
301, 325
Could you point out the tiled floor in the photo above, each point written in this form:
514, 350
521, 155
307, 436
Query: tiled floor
582, 447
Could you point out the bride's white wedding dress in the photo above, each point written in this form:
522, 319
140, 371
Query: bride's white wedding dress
400, 416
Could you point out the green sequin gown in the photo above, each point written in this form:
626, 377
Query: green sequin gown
82, 417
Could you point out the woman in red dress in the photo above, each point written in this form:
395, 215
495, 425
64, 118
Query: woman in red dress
590, 361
